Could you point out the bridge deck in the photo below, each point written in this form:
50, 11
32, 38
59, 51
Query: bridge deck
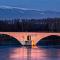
35, 36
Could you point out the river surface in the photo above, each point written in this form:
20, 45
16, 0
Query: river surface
28, 53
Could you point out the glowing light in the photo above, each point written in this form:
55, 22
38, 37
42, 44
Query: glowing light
33, 44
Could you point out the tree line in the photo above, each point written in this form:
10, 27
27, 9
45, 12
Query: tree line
30, 25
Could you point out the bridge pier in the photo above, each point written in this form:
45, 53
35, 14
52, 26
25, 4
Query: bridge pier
29, 41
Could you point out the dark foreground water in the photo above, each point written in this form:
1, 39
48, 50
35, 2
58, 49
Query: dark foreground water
27, 53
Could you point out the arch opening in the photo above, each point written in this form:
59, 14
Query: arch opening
52, 40
7, 40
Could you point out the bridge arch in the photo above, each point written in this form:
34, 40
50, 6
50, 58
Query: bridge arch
7, 40
51, 40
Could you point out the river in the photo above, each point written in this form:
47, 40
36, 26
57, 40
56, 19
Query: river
28, 53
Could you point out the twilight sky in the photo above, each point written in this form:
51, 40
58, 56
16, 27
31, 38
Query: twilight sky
33, 4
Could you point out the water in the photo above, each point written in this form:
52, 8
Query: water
27, 53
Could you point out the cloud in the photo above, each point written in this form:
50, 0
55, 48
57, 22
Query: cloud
11, 7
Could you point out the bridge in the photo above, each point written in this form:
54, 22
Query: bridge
35, 36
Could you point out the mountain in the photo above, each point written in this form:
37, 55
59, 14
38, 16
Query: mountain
7, 12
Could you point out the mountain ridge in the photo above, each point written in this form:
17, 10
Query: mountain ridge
23, 13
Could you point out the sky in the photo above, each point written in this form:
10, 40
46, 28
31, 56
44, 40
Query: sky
53, 5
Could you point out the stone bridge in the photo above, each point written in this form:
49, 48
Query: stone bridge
35, 36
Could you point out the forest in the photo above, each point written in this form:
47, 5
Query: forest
30, 25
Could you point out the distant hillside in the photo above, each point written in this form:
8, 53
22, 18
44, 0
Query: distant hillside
14, 12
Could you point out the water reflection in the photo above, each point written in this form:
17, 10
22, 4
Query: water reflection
29, 53
4, 53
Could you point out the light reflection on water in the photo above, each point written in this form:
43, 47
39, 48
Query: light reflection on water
27, 53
